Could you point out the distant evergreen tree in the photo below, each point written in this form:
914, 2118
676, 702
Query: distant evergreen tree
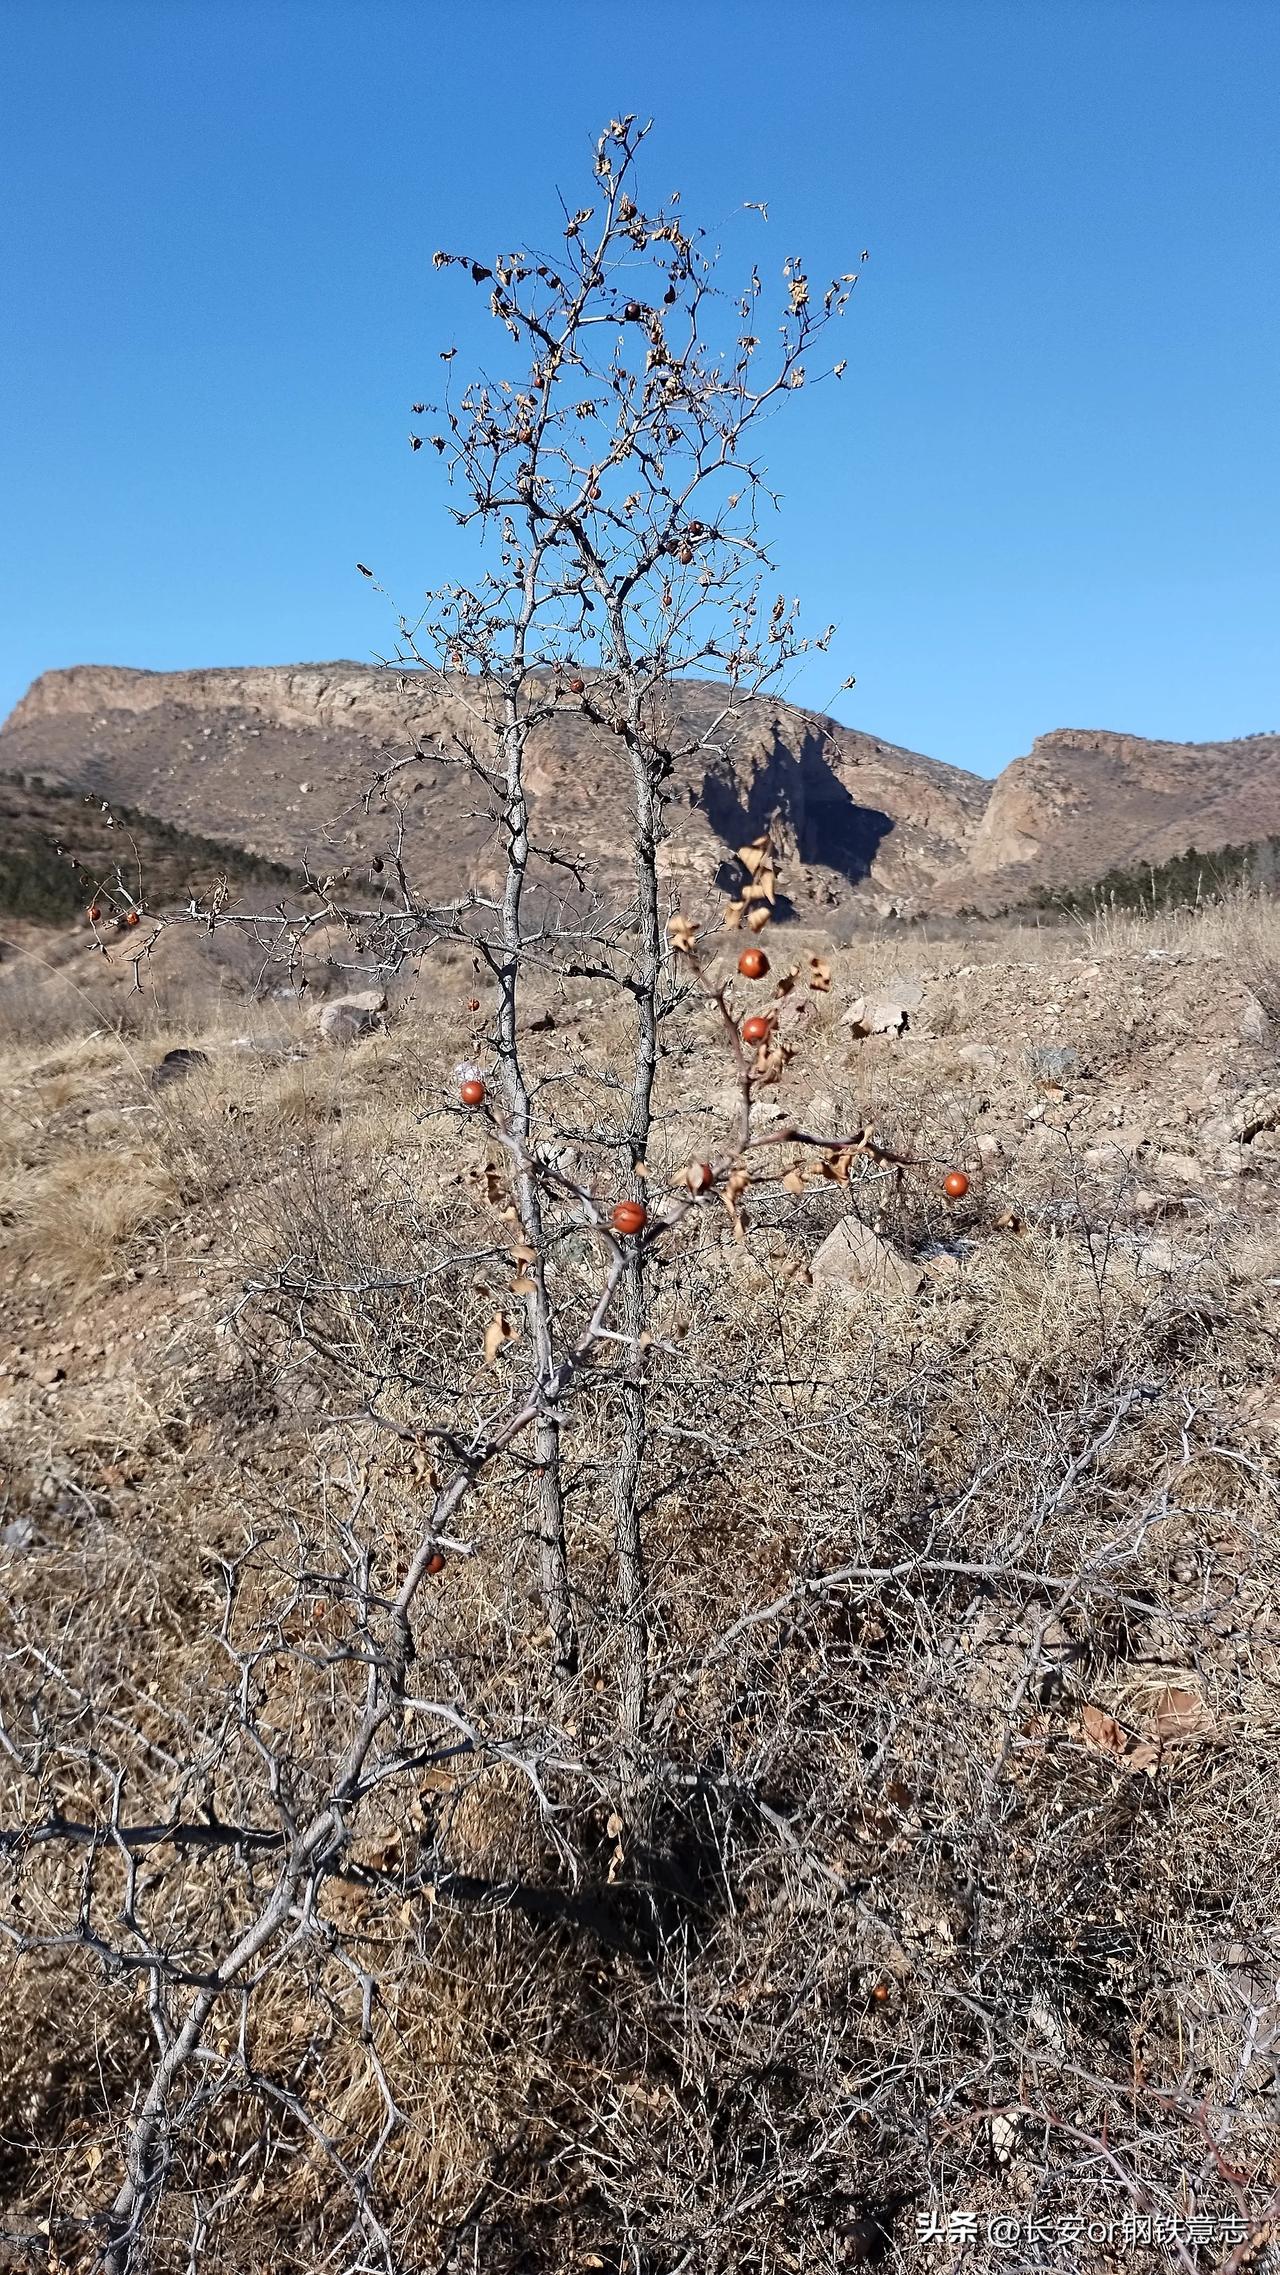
1183, 881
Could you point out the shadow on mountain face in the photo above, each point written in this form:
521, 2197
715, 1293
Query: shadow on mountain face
801, 791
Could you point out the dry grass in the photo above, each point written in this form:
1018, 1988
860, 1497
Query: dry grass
904, 1564
72, 1223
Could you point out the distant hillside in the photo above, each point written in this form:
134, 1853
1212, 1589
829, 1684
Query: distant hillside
1085, 802
276, 762
61, 851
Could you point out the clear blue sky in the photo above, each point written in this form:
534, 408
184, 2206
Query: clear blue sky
1046, 494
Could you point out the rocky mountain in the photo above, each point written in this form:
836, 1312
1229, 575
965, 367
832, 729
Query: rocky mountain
279, 760
1082, 802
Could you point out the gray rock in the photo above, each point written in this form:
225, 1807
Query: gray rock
853, 1256
1180, 1168
885, 1013
350, 1017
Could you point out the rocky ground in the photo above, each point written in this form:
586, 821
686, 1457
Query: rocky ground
1112, 1096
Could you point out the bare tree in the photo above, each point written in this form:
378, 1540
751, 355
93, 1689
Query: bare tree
617, 499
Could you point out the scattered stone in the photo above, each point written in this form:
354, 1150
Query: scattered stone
351, 1017
1148, 1203
853, 1256
1253, 1023
1180, 1168
887, 1013
1157, 1258
983, 1058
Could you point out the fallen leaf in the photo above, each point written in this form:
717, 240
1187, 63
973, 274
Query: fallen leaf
498, 1332
819, 974
1102, 1730
682, 933
1181, 1714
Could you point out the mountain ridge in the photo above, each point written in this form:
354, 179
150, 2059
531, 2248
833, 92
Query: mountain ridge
276, 758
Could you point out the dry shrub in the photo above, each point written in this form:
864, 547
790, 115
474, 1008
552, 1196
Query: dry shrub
885, 1878
1258, 954
75, 1218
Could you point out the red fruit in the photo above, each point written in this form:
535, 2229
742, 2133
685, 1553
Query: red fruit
473, 1003
435, 1563
630, 1217
472, 1091
685, 555
753, 963
577, 686
95, 915
633, 311
755, 1029
955, 1185
701, 1176
133, 917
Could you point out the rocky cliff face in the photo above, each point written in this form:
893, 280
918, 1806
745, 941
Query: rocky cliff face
279, 760
1082, 802
282, 759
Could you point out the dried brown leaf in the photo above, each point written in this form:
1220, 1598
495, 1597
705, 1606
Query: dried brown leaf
1102, 1730
1180, 1714
500, 1330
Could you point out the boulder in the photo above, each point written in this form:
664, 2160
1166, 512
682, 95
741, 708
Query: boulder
350, 1017
853, 1256
886, 1013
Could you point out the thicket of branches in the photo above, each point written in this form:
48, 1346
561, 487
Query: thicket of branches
642, 1799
